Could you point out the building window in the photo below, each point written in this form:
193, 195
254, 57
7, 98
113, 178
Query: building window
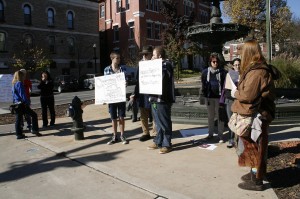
1, 11
116, 33
28, 40
149, 30
27, 14
131, 30
52, 44
156, 31
152, 5
50, 14
127, 4
132, 52
2, 41
188, 7
70, 20
102, 11
118, 5
71, 45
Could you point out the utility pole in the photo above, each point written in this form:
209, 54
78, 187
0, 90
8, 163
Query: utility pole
268, 31
95, 57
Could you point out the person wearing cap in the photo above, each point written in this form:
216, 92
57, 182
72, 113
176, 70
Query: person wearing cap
144, 104
28, 86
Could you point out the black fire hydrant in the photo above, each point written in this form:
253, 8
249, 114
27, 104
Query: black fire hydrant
76, 115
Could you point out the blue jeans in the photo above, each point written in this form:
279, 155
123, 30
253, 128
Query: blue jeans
162, 118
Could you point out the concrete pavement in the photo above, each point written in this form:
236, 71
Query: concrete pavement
57, 166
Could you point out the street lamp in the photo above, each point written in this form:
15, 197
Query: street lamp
268, 31
95, 57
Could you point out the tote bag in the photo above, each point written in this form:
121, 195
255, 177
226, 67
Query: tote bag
240, 125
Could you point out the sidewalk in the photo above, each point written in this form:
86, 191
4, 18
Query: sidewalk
186, 172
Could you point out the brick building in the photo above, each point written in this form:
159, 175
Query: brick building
65, 29
128, 25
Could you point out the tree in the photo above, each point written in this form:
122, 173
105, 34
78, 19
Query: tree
252, 13
174, 36
31, 58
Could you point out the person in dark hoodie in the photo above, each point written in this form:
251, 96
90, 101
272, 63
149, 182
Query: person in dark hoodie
254, 95
47, 98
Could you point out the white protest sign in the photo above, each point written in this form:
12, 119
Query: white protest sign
110, 89
5, 85
150, 77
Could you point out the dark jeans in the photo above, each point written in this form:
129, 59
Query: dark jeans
48, 102
162, 118
229, 113
19, 118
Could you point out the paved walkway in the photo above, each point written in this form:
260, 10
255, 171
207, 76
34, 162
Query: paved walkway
57, 166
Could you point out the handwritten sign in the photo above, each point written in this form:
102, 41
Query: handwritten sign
150, 77
5, 85
110, 89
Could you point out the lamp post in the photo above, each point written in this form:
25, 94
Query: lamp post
95, 47
268, 30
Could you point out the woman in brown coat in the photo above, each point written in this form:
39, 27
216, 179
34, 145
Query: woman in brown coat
255, 94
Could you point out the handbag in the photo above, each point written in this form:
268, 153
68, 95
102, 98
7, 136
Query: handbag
240, 125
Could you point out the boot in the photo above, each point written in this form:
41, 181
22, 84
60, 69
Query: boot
253, 184
248, 176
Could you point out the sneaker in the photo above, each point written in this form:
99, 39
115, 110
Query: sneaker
123, 139
209, 137
221, 141
164, 150
144, 138
152, 146
113, 140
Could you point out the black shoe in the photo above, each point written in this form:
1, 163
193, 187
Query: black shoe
36, 133
19, 137
209, 137
134, 120
248, 177
51, 124
144, 138
252, 185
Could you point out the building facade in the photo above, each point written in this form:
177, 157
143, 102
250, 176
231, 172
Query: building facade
65, 30
128, 25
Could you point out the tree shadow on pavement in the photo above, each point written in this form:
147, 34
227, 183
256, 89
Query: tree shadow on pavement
286, 132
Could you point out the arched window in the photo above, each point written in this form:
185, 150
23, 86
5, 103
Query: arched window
70, 20
2, 41
1, 11
50, 14
27, 14
28, 40
71, 45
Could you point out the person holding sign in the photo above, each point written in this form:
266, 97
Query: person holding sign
231, 82
143, 99
212, 83
161, 105
116, 110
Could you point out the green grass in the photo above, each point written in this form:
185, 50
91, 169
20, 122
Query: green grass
187, 73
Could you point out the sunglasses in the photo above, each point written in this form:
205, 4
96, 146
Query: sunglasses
215, 62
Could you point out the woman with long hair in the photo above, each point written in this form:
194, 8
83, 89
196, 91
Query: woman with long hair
47, 98
19, 97
254, 96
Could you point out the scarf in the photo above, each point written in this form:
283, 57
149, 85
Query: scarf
218, 76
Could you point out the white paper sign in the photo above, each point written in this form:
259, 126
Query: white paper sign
150, 77
5, 85
110, 89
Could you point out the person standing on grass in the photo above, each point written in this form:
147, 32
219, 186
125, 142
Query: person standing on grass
161, 105
116, 110
143, 101
254, 96
47, 98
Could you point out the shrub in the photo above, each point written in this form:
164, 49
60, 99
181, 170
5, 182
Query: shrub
289, 66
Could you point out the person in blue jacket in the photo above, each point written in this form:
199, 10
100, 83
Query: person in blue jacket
19, 97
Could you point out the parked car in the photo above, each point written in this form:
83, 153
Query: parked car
88, 80
65, 83
34, 90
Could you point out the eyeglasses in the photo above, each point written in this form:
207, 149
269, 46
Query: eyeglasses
236, 64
